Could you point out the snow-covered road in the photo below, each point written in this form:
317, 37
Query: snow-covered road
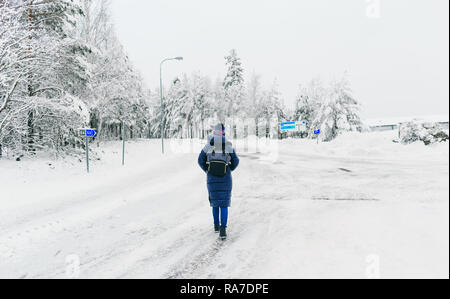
312, 211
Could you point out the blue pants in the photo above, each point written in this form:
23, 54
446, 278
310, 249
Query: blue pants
223, 216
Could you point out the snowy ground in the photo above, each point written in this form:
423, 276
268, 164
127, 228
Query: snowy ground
359, 207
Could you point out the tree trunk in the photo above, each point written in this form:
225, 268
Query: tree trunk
203, 129
30, 122
30, 125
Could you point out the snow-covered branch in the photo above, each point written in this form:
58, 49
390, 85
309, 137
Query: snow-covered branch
9, 94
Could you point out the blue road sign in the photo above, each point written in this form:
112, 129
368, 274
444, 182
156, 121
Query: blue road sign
286, 126
86, 133
91, 133
316, 132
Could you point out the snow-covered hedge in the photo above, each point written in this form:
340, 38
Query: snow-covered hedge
428, 133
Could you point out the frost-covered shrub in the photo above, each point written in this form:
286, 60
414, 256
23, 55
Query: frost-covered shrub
428, 133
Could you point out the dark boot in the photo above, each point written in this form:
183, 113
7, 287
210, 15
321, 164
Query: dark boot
223, 233
216, 228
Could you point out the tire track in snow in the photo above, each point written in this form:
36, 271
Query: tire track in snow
126, 253
18, 238
205, 258
94, 192
181, 249
115, 253
86, 205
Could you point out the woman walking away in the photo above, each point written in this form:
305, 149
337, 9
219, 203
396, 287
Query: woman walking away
218, 159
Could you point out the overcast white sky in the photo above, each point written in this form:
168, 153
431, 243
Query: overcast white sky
398, 63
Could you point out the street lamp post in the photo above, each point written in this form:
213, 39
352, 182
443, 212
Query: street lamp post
161, 90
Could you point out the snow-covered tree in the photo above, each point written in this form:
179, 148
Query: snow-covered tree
339, 112
114, 92
200, 93
233, 85
62, 68
218, 94
308, 103
44, 57
187, 104
271, 108
255, 96
13, 59
178, 108
13, 49
235, 72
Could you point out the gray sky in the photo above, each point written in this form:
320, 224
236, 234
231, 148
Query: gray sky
397, 57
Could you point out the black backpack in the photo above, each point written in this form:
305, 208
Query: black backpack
217, 164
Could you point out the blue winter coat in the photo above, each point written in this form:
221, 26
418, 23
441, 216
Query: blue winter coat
219, 188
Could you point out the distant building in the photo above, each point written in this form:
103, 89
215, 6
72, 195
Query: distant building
391, 124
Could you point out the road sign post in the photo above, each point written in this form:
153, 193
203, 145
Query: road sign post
317, 132
123, 144
87, 154
87, 133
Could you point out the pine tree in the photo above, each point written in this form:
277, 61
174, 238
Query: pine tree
235, 72
233, 85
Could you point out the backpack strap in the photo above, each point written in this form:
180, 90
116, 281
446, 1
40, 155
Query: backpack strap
223, 149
